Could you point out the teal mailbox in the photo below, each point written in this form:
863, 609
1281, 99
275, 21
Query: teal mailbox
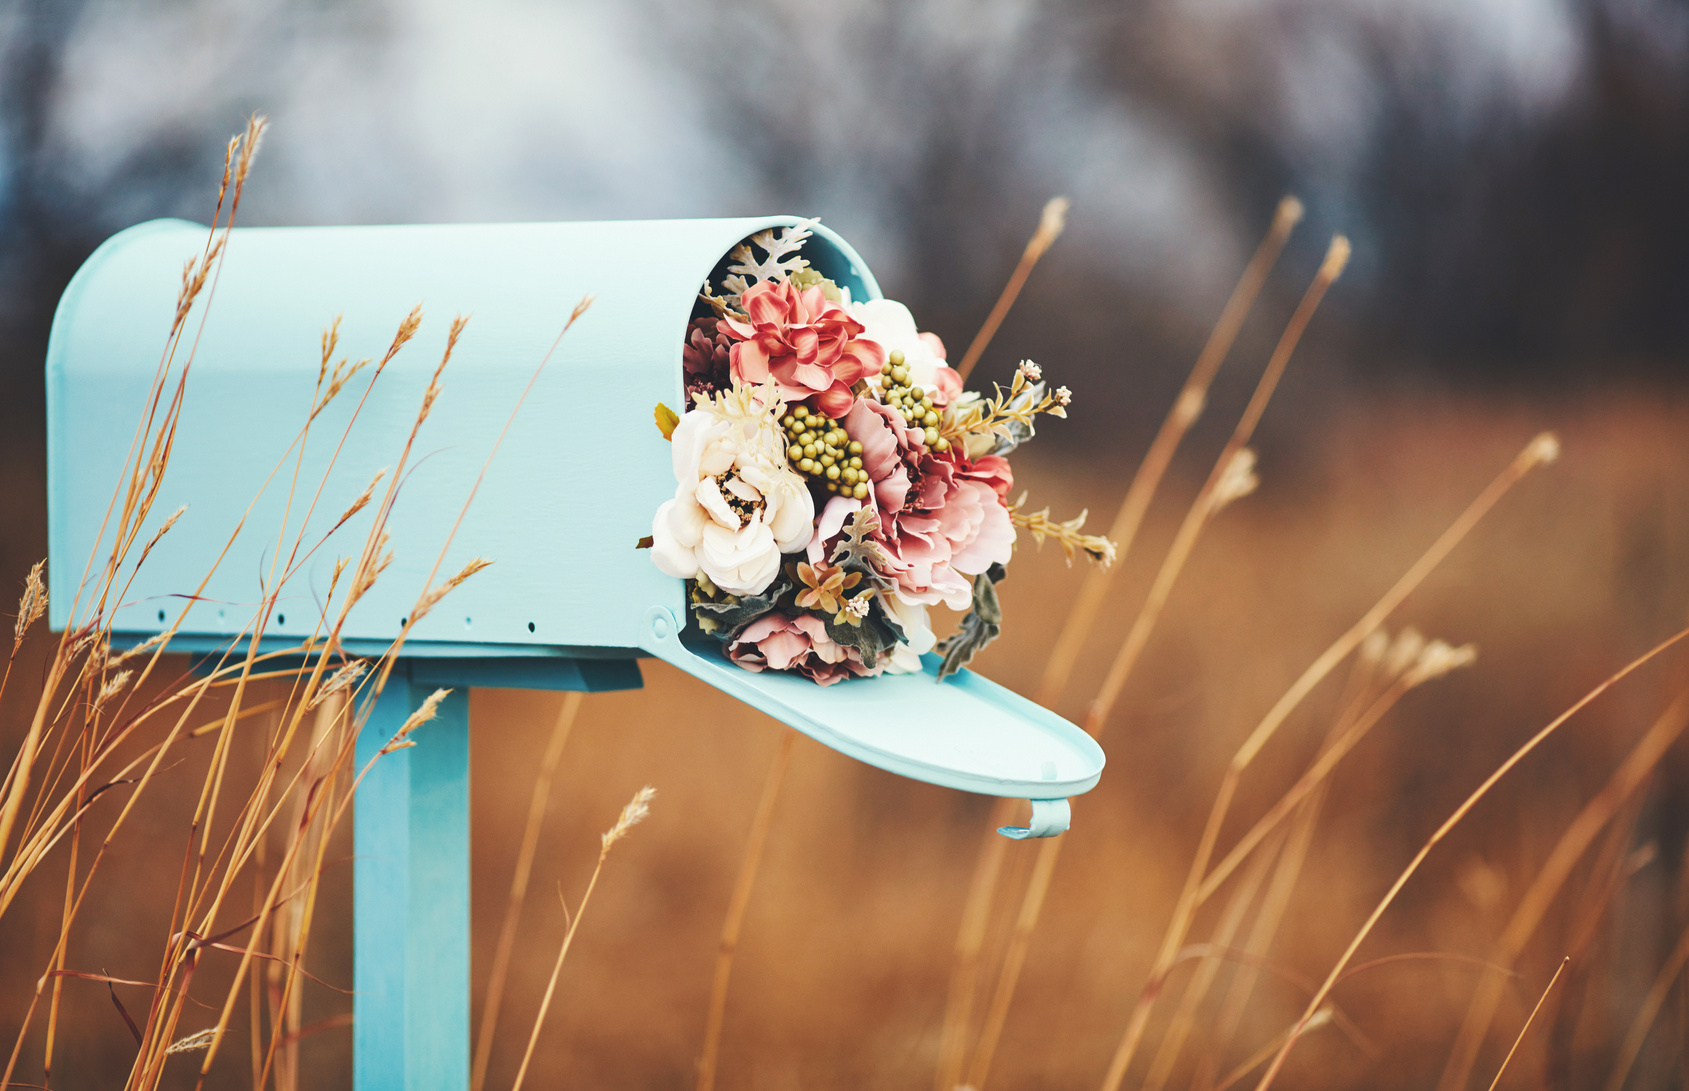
569, 603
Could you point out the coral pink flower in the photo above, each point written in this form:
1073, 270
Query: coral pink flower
942, 518
777, 641
805, 342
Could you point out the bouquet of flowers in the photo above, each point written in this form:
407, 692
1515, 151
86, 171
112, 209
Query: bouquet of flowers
834, 480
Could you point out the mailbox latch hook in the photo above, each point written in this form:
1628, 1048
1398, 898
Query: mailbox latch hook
1049, 818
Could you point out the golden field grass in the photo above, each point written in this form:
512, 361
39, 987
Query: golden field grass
841, 975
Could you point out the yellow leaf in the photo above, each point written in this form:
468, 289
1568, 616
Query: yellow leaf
666, 420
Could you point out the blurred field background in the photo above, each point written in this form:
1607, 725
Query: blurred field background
1511, 174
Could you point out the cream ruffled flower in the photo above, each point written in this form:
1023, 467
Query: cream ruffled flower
891, 324
918, 638
738, 505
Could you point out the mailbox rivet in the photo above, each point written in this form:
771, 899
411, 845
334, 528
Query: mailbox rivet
530, 626
660, 627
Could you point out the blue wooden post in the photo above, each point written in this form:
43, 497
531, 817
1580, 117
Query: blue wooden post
411, 902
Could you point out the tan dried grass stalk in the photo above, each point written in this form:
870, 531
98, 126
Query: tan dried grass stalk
1014, 959
1540, 450
1261, 1056
1081, 619
1050, 224
1187, 409
537, 804
1502, 1071
85, 712
632, 814
1631, 774
1443, 831
1225, 482
736, 905
1637, 1034
1211, 497
1286, 871
1207, 969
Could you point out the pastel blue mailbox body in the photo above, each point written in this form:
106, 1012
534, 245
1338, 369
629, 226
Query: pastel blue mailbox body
569, 603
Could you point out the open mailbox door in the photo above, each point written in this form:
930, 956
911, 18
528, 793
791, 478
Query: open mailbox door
570, 602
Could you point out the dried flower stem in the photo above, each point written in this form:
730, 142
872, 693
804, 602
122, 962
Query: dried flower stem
1631, 774
1066, 534
1081, 619
1530, 457
632, 814
732, 926
1050, 224
1442, 832
519, 886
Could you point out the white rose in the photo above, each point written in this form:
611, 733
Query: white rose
892, 325
737, 505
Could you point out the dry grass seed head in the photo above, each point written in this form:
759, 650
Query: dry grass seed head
340, 680
363, 499
1052, 221
430, 599
1544, 449
1336, 257
433, 391
331, 341
112, 686
250, 140
424, 712
1437, 659
193, 1043
401, 337
632, 815
1237, 480
1374, 647
1403, 653
33, 603
140, 649
367, 574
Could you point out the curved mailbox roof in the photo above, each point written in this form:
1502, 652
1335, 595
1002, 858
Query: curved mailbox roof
573, 487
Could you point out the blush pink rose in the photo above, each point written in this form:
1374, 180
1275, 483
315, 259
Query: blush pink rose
943, 519
805, 342
777, 641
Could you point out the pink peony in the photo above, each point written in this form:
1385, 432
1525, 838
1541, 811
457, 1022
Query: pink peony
808, 344
777, 641
942, 518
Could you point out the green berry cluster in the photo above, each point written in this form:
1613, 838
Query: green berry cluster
820, 450
915, 405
